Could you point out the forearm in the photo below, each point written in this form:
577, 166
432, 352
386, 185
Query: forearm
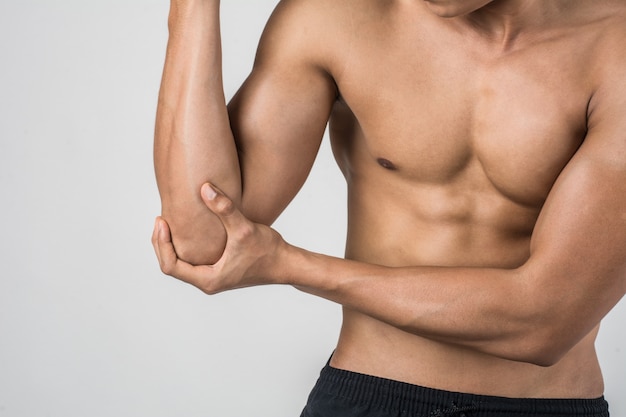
193, 140
534, 313
489, 310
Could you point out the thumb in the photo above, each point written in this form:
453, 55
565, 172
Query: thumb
222, 206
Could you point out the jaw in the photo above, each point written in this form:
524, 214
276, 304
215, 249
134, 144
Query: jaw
455, 8
503, 20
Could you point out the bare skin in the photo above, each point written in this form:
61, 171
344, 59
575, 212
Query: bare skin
484, 147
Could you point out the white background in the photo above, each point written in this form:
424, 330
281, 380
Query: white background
88, 324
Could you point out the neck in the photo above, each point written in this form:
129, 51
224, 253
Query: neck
505, 21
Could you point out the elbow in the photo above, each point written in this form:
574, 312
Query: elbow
198, 238
545, 356
198, 251
532, 349
542, 328
545, 344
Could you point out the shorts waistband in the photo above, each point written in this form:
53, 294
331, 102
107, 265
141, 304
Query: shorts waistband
415, 400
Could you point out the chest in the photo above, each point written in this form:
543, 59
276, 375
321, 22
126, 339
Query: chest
435, 113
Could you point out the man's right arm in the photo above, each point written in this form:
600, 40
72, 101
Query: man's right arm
259, 150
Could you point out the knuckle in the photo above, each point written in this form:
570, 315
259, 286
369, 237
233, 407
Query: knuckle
208, 287
225, 205
167, 269
243, 235
212, 283
246, 231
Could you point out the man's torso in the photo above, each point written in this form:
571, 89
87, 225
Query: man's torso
450, 142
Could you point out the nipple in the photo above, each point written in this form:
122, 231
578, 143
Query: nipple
387, 164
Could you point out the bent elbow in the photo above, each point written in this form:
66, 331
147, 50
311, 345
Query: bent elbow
546, 357
541, 353
198, 251
198, 239
545, 347
542, 331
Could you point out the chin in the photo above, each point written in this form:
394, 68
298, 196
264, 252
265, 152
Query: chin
454, 8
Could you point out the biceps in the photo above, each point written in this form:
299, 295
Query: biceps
578, 259
278, 119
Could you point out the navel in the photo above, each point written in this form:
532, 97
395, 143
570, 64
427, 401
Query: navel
387, 164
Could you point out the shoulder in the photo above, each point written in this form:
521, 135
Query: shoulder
311, 21
610, 35
333, 11
606, 118
321, 31
607, 63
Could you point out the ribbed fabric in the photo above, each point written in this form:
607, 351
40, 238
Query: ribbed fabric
340, 393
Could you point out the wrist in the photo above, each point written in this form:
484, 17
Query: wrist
282, 256
302, 269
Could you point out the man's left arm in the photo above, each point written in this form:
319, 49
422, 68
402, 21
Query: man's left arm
574, 276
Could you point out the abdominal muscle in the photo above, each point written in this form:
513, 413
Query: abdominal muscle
395, 221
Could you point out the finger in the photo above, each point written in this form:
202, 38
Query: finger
155, 238
165, 251
155, 233
164, 247
222, 206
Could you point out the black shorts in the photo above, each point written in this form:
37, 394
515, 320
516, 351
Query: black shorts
340, 393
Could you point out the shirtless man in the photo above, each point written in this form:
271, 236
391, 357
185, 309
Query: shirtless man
484, 147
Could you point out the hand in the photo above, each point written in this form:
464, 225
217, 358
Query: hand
249, 259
